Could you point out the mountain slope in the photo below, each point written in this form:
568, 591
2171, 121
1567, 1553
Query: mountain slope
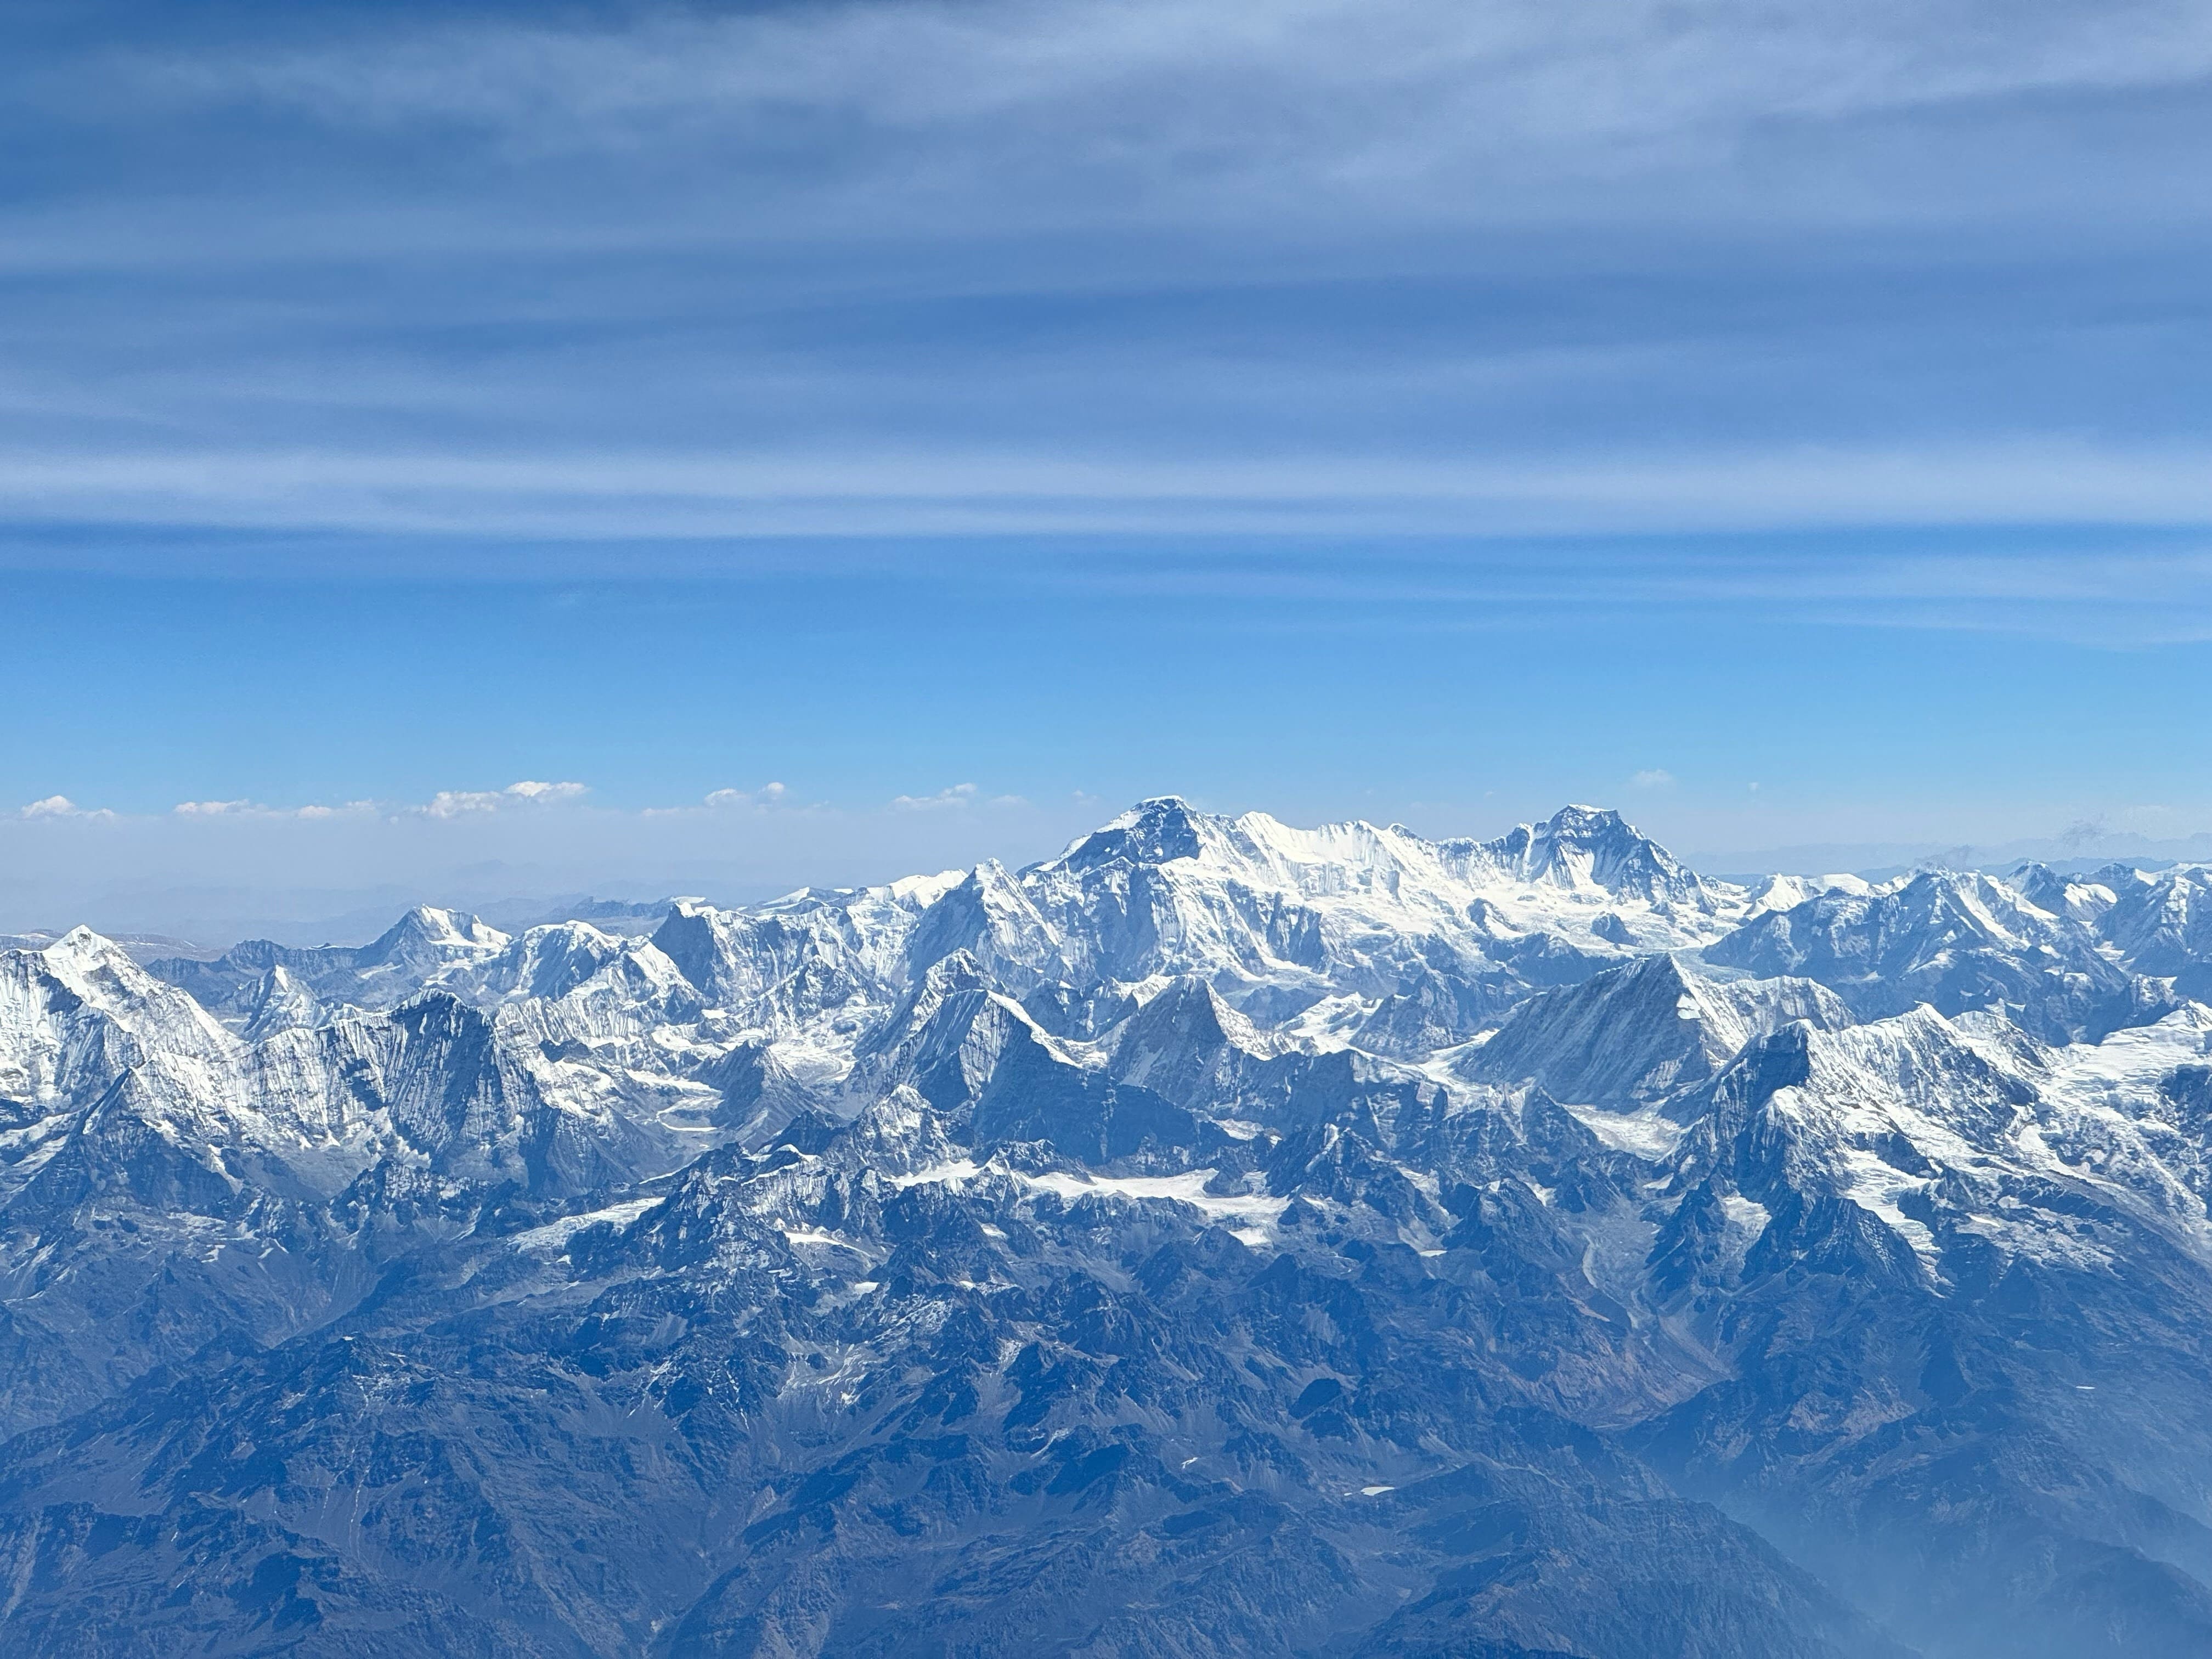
1219, 1237
1954, 941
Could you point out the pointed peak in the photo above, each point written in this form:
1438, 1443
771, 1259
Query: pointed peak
426, 927
1161, 816
431, 921
1155, 832
2121, 876
1579, 819
1778, 1060
1590, 848
81, 940
957, 971
1662, 967
1184, 991
81, 947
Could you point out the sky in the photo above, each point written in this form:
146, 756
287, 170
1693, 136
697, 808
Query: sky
495, 452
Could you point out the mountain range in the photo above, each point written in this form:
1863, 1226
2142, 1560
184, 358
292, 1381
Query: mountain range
1218, 1238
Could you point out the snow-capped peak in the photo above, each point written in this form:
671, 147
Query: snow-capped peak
1585, 848
1155, 832
428, 929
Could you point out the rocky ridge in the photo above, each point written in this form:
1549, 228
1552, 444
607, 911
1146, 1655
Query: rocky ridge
1219, 1237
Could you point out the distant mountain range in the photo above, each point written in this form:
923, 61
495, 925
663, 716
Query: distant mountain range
1219, 1238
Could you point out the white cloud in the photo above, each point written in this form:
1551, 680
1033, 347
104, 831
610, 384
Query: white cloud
993, 483
767, 795
959, 795
61, 806
998, 124
455, 803
531, 790
352, 809
452, 803
724, 801
1233, 104
254, 809
1656, 777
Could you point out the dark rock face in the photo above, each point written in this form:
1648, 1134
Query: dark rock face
1128, 1256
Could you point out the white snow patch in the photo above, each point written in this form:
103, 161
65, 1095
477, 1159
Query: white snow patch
815, 1236
553, 1234
1645, 1134
1188, 1188
1747, 1213
939, 1174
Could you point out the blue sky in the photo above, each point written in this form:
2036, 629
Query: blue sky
971, 416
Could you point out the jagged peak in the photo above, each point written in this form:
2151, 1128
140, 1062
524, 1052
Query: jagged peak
958, 970
949, 977
1580, 847
428, 926
989, 881
1187, 1004
1593, 848
82, 958
1157, 830
1575, 821
2121, 876
82, 944
279, 981
1579, 817
436, 1011
920, 892
1932, 889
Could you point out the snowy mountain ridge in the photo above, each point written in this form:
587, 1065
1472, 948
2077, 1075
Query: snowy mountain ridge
1219, 1236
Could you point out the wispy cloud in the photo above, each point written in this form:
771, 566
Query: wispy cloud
767, 798
1124, 327
1656, 777
454, 803
768, 794
1310, 268
524, 796
602, 497
254, 809
956, 795
444, 804
225, 874
1214, 103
